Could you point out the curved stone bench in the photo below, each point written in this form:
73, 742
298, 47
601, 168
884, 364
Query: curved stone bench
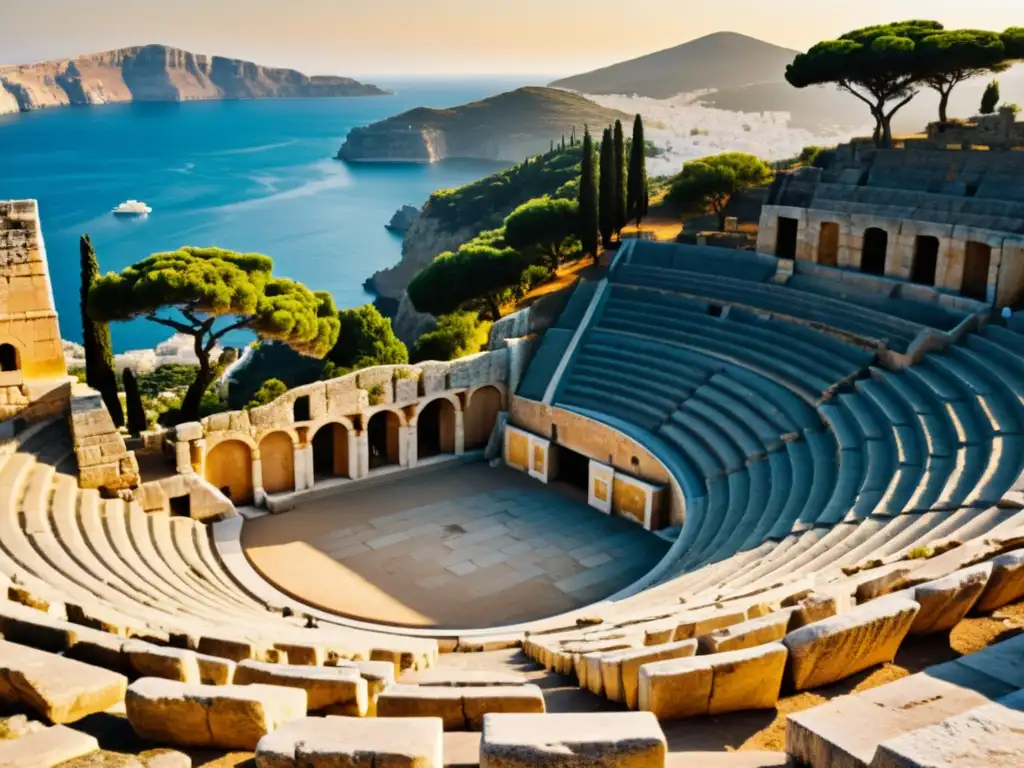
460, 708
339, 690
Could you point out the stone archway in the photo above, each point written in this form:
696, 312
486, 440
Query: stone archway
9, 358
229, 468
876, 247
977, 260
330, 451
435, 429
828, 244
787, 230
277, 455
480, 415
384, 434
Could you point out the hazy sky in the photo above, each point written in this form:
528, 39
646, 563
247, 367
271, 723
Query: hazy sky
403, 37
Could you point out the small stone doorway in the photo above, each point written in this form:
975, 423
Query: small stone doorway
977, 260
926, 259
785, 237
876, 244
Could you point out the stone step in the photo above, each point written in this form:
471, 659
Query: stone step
46, 748
460, 708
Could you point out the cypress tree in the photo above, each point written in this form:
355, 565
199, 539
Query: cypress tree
990, 98
588, 197
133, 403
608, 184
99, 356
572, 139
620, 179
636, 189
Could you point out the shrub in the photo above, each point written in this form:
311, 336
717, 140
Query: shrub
456, 335
270, 391
376, 393
920, 553
532, 276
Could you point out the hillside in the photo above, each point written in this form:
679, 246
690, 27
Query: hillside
503, 128
718, 61
158, 73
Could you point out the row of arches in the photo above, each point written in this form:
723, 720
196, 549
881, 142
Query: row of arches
229, 464
875, 251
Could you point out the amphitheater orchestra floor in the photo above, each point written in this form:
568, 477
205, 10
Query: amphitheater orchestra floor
462, 547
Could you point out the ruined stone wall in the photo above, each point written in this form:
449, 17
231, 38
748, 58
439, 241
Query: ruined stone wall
998, 131
103, 460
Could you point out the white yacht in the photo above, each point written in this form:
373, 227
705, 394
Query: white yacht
132, 208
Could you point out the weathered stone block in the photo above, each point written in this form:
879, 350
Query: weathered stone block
460, 708
746, 634
620, 670
597, 740
843, 645
191, 430
944, 602
341, 688
159, 661
1005, 584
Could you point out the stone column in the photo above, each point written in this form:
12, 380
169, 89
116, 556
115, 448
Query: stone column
198, 451
259, 496
353, 453
405, 434
301, 474
460, 433
363, 444
411, 443
183, 457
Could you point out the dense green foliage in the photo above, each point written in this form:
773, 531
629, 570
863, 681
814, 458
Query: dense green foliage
133, 404
273, 360
547, 225
885, 65
990, 98
620, 178
172, 377
485, 203
99, 354
206, 284
607, 190
366, 339
270, 391
587, 197
636, 182
475, 272
710, 183
456, 335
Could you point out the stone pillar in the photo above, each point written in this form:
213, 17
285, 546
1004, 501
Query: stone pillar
405, 434
303, 472
183, 457
363, 445
460, 433
410, 442
258, 494
353, 453
199, 456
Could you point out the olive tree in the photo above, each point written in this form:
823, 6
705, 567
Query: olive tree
711, 182
192, 290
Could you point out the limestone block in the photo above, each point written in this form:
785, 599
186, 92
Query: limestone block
406, 390
238, 421
354, 743
1005, 584
61, 690
215, 671
218, 422
380, 380
620, 670
461, 678
944, 602
234, 648
814, 607
746, 634
989, 736
459, 708
714, 684
702, 624
190, 430
835, 648
223, 717
160, 661
303, 655
50, 746
594, 740
342, 397
341, 688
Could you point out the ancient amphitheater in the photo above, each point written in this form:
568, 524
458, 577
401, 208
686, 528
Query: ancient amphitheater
716, 494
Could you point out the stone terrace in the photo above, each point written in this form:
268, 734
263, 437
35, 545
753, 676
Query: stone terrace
468, 547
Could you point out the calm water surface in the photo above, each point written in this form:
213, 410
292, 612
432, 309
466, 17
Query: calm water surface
250, 176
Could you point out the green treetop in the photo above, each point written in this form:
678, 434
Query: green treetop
190, 290
711, 182
473, 273
366, 339
636, 189
548, 225
990, 98
952, 57
588, 197
99, 355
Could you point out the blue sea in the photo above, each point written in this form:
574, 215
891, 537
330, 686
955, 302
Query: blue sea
245, 175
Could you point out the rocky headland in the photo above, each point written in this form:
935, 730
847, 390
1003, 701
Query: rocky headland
403, 219
159, 73
505, 128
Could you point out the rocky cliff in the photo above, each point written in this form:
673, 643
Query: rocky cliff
504, 128
158, 73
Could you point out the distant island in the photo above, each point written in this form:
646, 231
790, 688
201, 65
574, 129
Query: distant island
159, 73
505, 128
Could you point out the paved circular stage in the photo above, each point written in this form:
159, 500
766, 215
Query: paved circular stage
466, 546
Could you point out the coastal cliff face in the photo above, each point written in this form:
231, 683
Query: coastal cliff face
424, 241
158, 73
505, 128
